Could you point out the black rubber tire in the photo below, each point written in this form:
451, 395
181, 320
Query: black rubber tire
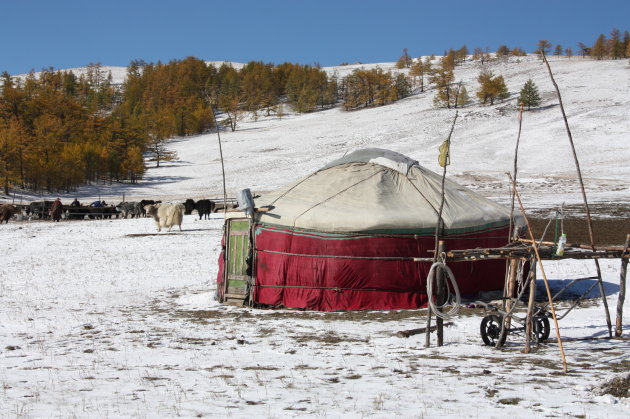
491, 330
541, 328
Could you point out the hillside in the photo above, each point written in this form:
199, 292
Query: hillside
265, 153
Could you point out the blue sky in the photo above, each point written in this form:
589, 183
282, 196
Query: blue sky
38, 34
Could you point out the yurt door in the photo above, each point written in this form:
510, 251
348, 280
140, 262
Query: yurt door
238, 261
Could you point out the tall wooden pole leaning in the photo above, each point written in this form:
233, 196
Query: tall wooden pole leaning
622, 290
544, 275
438, 226
509, 290
588, 212
222, 165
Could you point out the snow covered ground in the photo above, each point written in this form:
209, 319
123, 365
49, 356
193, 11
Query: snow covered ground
110, 319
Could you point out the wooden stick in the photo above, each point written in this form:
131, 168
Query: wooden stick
530, 305
588, 212
411, 332
622, 291
518, 139
544, 275
439, 225
440, 298
510, 294
576, 245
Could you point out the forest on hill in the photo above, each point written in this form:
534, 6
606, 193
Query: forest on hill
59, 130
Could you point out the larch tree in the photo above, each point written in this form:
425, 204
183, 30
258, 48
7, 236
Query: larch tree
543, 47
599, 50
491, 88
568, 52
557, 50
442, 77
616, 45
405, 60
419, 70
502, 51
518, 52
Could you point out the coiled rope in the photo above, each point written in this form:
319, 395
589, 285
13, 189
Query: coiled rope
456, 303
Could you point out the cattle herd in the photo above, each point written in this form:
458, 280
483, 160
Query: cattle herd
100, 210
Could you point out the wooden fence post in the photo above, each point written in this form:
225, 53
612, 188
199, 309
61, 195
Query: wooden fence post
622, 290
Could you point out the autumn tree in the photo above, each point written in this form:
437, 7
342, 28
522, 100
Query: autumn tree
442, 77
420, 70
491, 88
483, 56
599, 51
375, 87
405, 60
557, 51
584, 50
529, 95
502, 51
543, 47
461, 54
518, 52
616, 45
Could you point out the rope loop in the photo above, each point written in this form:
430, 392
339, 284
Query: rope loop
457, 298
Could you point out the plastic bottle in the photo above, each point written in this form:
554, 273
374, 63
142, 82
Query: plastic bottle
561, 243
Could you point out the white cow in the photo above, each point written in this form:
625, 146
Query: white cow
166, 215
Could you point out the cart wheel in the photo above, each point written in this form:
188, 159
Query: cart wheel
541, 328
491, 330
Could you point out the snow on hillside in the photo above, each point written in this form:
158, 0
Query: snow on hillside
269, 152
110, 319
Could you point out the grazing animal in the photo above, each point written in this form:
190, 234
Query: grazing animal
143, 203
189, 206
129, 208
204, 208
39, 208
6, 212
166, 215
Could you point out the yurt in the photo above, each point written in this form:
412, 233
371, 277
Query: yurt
344, 238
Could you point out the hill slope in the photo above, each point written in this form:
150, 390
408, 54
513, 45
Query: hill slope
269, 152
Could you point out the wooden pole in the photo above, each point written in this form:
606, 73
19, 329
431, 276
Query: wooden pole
427, 336
588, 212
530, 304
510, 293
622, 291
440, 298
438, 226
518, 139
222, 165
542, 271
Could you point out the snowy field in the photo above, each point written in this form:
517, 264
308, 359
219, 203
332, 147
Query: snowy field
111, 319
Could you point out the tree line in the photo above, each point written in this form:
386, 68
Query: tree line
59, 130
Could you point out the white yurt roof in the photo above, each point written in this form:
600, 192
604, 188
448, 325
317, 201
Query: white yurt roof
376, 190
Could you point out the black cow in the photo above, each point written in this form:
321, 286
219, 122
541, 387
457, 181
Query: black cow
189, 206
204, 208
